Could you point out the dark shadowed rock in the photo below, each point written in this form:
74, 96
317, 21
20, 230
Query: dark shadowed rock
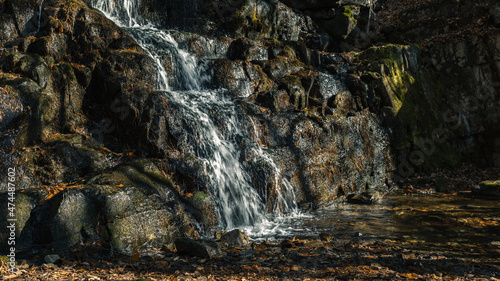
197, 248
245, 49
495, 14
363, 198
489, 189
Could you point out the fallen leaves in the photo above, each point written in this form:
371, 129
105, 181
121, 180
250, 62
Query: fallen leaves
136, 256
55, 189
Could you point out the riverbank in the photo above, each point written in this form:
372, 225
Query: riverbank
357, 259
413, 233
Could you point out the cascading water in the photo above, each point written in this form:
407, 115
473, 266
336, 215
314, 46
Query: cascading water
239, 204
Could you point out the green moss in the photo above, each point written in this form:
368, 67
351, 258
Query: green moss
4, 259
289, 53
291, 80
199, 197
347, 12
247, 20
491, 183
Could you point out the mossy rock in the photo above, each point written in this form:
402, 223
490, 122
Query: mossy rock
489, 189
204, 208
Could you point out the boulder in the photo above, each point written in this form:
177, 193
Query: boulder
488, 189
52, 258
245, 49
343, 23
197, 248
366, 198
235, 238
242, 78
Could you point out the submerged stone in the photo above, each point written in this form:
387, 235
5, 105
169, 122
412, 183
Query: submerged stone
363, 198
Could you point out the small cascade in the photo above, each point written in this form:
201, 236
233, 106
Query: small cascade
39, 22
284, 198
40, 16
214, 143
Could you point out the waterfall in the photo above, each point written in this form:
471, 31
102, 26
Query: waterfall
40, 16
215, 145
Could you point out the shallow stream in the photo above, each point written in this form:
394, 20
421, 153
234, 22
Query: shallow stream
447, 221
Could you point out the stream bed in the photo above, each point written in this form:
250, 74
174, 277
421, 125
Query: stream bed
448, 222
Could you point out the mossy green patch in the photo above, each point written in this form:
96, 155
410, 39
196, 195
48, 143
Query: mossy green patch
402, 85
491, 183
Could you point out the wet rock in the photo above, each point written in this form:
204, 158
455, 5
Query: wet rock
133, 207
253, 19
8, 30
281, 67
51, 258
245, 49
343, 23
344, 103
203, 46
25, 15
326, 236
363, 198
235, 238
293, 85
198, 248
242, 78
278, 101
10, 107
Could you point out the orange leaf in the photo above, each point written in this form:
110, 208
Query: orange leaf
189, 195
136, 256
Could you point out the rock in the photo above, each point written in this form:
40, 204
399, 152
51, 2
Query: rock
254, 19
363, 198
10, 107
64, 221
488, 189
242, 78
248, 254
286, 244
8, 30
278, 101
245, 49
343, 23
344, 103
495, 14
218, 234
24, 202
235, 238
198, 248
326, 236
52, 258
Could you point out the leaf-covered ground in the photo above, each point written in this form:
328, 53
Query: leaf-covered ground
286, 260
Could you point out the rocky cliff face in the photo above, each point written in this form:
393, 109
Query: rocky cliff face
101, 155
452, 116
